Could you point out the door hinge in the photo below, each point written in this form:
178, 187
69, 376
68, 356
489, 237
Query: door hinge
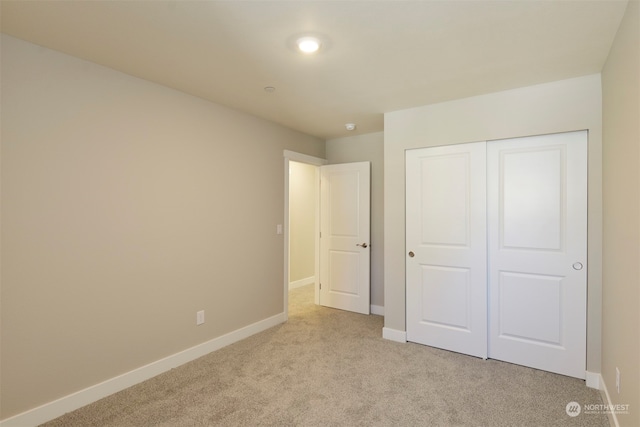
320, 285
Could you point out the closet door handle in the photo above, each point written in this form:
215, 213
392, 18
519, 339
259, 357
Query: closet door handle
411, 254
577, 266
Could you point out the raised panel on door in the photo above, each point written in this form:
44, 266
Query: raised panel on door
344, 240
537, 197
446, 245
446, 297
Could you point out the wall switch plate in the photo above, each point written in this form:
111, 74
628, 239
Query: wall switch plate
279, 229
200, 317
617, 379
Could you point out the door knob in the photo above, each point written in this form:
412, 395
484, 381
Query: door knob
577, 266
364, 245
411, 254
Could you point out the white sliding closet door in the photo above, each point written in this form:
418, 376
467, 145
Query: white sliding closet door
496, 237
446, 248
537, 201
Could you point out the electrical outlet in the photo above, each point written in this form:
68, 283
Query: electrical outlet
617, 379
200, 317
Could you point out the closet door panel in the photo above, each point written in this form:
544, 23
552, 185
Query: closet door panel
446, 247
537, 227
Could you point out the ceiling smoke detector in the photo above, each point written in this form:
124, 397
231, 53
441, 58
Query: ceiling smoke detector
350, 126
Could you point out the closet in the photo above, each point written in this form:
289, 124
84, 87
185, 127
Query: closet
496, 240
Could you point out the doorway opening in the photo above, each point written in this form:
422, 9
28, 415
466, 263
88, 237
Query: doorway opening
301, 223
303, 201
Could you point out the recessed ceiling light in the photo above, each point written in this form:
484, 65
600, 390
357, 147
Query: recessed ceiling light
350, 126
269, 89
308, 44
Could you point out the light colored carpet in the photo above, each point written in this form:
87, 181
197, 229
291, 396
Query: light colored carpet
328, 367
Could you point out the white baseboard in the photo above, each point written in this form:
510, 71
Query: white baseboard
604, 393
377, 309
52, 410
302, 282
394, 335
593, 380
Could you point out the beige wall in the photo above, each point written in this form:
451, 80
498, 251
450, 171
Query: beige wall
621, 210
303, 195
127, 207
567, 105
362, 148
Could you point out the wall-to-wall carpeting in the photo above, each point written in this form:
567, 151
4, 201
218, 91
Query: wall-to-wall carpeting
328, 367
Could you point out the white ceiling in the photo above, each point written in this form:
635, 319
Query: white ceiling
378, 56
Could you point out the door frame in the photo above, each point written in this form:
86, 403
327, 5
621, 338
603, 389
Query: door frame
292, 156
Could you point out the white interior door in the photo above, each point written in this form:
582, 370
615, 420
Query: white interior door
537, 201
446, 260
344, 236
